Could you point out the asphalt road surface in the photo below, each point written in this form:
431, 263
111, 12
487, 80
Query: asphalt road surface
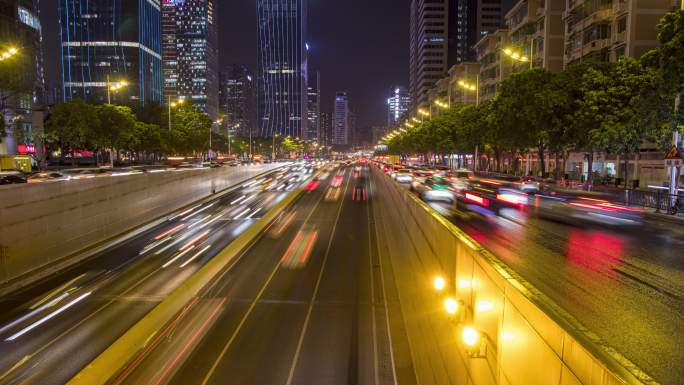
625, 284
303, 305
50, 331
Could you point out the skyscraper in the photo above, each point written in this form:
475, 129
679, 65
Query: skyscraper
127, 50
341, 120
443, 33
325, 131
282, 74
237, 100
191, 67
398, 104
314, 106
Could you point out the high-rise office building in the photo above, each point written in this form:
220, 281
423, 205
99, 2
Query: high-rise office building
282, 74
398, 104
314, 106
444, 33
20, 30
192, 67
237, 100
325, 137
127, 50
340, 129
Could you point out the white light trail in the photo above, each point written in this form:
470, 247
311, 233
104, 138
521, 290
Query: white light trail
47, 318
34, 312
174, 259
197, 254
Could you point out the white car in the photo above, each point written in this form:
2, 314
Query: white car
404, 175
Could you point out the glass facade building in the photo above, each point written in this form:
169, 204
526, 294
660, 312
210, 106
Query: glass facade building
397, 105
237, 99
111, 41
190, 49
313, 131
282, 73
340, 134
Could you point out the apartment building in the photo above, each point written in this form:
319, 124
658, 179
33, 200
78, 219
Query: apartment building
609, 29
493, 67
536, 31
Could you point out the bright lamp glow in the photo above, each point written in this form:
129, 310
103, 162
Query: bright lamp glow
451, 306
439, 283
484, 306
471, 337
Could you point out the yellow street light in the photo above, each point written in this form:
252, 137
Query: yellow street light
416, 120
471, 336
451, 306
11, 51
439, 283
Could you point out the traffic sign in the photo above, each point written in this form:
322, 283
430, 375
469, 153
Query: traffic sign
674, 158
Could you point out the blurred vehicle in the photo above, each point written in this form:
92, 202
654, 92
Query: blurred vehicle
489, 197
14, 177
46, 177
336, 181
86, 173
580, 207
403, 175
462, 173
435, 188
419, 177
529, 185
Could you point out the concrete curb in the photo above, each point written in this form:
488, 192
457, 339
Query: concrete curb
114, 358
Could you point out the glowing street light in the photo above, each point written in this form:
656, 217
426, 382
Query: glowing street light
471, 337
11, 51
114, 87
175, 104
439, 283
451, 306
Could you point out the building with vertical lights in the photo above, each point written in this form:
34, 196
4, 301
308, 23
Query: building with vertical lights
340, 129
128, 50
314, 106
237, 100
282, 74
397, 105
191, 67
21, 32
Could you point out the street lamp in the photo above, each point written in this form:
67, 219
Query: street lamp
175, 104
273, 147
114, 87
472, 87
423, 112
11, 51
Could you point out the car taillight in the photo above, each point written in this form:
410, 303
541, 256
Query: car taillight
477, 199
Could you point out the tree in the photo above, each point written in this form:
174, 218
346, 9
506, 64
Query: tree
70, 125
189, 133
116, 130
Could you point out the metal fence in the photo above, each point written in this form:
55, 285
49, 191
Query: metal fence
660, 200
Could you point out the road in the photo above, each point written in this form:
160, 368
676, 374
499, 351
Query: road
624, 284
50, 331
303, 305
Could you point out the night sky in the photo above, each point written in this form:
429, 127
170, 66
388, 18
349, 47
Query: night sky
359, 46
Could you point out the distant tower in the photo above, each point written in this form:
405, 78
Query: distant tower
282, 74
314, 106
341, 120
237, 100
398, 103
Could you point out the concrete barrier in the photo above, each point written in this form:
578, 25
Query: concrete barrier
49, 226
525, 338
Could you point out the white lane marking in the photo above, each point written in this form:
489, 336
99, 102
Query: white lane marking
197, 254
253, 213
238, 200
241, 214
46, 318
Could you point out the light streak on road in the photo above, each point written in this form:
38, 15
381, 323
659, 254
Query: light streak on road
34, 312
197, 254
188, 211
47, 318
177, 257
199, 211
165, 233
193, 241
238, 200
253, 213
241, 214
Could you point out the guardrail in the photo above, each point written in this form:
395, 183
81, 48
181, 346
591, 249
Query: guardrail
505, 330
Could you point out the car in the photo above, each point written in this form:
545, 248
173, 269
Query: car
12, 178
419, 176
582, 207
40, 177
435, 188
490, 197
403, 175
529, 185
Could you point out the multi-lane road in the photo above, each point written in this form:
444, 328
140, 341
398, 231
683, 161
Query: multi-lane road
303, 305
625, 284
49, 332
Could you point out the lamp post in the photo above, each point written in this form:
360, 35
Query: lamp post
273, 147
7, 54
114, 87
173, 104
